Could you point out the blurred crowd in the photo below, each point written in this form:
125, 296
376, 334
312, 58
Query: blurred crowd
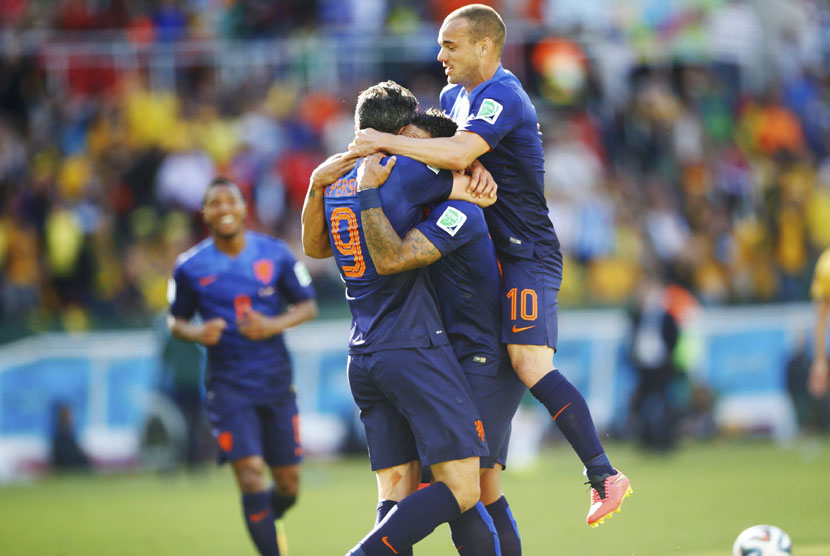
681, 145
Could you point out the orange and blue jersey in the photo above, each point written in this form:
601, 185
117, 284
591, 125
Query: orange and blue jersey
266, 277
467, 284
399, 310
501, 113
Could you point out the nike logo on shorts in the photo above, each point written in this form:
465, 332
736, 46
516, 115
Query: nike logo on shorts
522, 329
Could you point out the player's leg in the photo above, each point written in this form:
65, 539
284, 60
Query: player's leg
499, 510
256, 503
497, 396
283, 451
238, 432
436, 404
530, 330
395, 484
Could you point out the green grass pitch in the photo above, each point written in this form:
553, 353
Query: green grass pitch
692, 502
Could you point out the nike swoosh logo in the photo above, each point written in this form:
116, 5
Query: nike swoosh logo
208, 280
386, 542
523, 328
257, 517
620, 478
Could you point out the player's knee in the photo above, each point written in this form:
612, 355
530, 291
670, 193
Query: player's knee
288, 484
461, 477
467, 494
531, 363
250, 474
287, 479
395, 483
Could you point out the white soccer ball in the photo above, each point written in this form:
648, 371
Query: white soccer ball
762, 540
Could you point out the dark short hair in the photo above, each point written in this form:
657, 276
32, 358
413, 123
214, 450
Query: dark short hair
385, 107
222, 181
435, 122
484, 22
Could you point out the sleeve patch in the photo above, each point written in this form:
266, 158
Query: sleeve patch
302, 274
451, 220
489, 111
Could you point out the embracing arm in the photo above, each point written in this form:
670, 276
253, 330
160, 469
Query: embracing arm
315, 231
453, 153
389, 252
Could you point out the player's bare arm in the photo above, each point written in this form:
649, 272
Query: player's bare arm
453, 153
207, 333
819, 380
315, 233
389, 252
257, 326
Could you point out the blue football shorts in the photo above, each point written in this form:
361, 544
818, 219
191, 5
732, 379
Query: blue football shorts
530, 288
497, 398
270, 430
415, 403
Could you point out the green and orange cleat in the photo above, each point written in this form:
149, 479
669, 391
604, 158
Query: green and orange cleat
607, 495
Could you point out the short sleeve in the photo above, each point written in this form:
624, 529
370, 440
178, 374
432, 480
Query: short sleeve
181, 295
451, 225
494, 113
422, 184
293, 280
820, 288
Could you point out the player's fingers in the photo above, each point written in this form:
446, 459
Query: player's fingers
390, 163
490, 187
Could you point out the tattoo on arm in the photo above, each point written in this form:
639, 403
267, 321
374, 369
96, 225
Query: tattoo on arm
389, 252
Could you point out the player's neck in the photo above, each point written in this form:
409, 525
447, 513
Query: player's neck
485, 74
231, 246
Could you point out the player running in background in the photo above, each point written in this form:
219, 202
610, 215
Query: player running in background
820, 291
455, 243
498, 125
239, 283
414, 401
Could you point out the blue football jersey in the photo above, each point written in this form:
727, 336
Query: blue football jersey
467, 283
265, 276
500, 111
399, 310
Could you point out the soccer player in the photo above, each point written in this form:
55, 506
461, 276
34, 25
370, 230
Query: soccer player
239, 282
455, 243
820, 291
414, 401
498, 125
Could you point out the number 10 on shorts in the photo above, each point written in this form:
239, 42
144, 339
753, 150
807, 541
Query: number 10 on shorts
524, 301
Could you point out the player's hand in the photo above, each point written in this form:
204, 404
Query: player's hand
819, 379
366, 141
212, 331
331, 169
373, 173
482, 183
254, 325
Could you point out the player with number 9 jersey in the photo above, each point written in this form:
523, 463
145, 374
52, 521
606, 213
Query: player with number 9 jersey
388, 312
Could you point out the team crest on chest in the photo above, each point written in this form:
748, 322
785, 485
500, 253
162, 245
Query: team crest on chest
264, 270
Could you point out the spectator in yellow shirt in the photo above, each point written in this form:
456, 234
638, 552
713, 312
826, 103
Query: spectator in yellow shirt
820, 292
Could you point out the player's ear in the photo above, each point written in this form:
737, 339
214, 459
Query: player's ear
485, 46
